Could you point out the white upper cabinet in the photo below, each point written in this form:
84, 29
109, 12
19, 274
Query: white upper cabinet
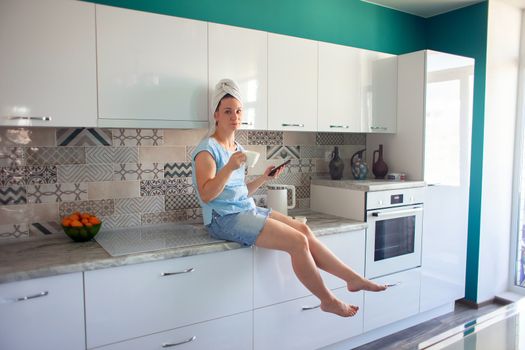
48, 63
378, 92
152, 70
339, 88
242, 55
292, 83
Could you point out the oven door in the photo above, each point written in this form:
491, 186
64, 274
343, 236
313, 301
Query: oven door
393, 240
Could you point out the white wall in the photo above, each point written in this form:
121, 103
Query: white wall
504, 24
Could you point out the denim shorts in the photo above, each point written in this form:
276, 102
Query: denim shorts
243, 227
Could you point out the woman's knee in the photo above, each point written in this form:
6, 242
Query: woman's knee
299, 243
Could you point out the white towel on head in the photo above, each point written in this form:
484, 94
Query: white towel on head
225, 87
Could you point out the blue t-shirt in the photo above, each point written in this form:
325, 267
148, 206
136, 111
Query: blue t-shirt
234, 198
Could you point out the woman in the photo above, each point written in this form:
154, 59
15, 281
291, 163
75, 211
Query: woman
231, 214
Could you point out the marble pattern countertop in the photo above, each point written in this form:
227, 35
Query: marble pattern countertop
368, 185
43, 257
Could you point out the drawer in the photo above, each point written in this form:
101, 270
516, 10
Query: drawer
227, 333
394, 304
137, 300
287, 326
275, 281
52, 319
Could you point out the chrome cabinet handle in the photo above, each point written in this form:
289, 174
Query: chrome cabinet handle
191, 269
169, 345
390, 285
299, 125
16, 117
306, 308
378, 128
340, 126
34, 296
247, 123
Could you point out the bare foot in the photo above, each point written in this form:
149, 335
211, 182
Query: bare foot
336, 306
360, 283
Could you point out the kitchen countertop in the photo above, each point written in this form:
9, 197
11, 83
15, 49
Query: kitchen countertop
368, 185
43, 257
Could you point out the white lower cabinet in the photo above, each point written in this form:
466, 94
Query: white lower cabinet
43, 313
137, 300
289, 326
227, 333
394, 304
275, 280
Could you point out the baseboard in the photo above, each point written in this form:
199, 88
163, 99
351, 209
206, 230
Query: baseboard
474, 305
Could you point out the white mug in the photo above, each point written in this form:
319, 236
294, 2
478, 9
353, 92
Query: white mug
251, 158
277, 198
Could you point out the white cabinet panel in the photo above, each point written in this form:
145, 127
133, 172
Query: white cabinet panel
51, 318
152, 69
242, 55
275, 281
288, 326
394, 304
48, 63
233, 332
292, 83
137, 300
339, 88
379, 92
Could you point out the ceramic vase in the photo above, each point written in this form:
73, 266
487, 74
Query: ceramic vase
336, 165
379, 167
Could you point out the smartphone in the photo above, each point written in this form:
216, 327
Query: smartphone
274, 170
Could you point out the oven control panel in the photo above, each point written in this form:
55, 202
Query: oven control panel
395, 198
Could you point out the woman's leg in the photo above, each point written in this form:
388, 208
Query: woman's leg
277, 235
327, 261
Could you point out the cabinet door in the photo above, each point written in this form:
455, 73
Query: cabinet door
379, 92
242, 55
299, 324
292, 83
227, 333
339, 88
47, 65
275, 281
44, 313
152, 69
136, 300
394, 304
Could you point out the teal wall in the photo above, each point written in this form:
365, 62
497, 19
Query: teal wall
359, 24
347, 22
464, 32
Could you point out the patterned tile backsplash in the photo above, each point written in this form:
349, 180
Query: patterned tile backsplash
133, 177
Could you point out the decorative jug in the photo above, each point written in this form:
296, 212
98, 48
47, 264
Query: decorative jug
359, 167
277, 198
336, 165
379, 167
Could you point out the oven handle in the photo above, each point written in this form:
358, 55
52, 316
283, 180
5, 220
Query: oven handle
396, 212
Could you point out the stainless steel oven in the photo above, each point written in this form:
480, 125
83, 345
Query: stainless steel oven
395, 228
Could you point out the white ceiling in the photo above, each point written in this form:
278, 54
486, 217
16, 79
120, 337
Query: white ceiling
424, 8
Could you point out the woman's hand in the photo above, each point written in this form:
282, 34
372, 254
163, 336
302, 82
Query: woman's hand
236, 160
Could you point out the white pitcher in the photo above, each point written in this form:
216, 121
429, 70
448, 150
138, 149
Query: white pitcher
277, 198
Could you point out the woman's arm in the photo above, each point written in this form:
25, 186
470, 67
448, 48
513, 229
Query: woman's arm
258, 182
209, 183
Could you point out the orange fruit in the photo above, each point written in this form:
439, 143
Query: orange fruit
85, 215
66, 222
84, 221
74, 217
88, 224
94, 220
76, 223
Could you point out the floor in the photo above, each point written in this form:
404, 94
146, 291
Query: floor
411, 337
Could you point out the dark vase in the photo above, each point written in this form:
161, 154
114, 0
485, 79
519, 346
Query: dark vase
379, 167
336, 165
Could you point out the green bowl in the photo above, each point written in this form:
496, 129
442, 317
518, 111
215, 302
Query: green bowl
82, 234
